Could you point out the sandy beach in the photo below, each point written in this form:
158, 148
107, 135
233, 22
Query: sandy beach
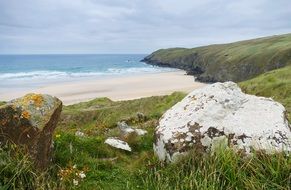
116, 88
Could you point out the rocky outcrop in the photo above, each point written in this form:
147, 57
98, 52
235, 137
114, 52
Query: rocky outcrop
30, 121
222, 115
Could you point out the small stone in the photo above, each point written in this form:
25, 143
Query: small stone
127, 130
124, 128
116, 143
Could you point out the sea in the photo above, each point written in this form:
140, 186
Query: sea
31, 71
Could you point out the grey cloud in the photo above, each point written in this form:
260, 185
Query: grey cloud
134, 26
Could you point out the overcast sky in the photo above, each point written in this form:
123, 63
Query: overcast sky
134, 26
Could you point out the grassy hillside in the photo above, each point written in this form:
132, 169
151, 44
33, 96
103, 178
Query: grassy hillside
109, 168
237, 61
104, 166
275, 84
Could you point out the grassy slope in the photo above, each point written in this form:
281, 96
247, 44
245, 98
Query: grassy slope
237, 61
141, 170
275, 84
97, 119
109, 168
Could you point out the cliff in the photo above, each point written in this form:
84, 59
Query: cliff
236, 61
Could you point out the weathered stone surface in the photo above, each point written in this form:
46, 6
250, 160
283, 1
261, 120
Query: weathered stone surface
220, 114
116, 143
30, 121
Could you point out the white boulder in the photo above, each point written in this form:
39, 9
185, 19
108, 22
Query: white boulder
222, 114
116, 143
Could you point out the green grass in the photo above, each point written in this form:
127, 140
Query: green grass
104, 113
106, 167
17, 171
275, 84
237, 61
113, 169
222, 170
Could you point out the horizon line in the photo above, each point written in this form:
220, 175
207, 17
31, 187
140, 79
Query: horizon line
73, 54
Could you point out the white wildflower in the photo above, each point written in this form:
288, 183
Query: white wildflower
79, 134
82, 175
75, 182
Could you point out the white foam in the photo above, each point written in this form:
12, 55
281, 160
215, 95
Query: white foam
45, 75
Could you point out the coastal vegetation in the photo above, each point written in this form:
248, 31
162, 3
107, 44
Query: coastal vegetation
103, 167
238, 61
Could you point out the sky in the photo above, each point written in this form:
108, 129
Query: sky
134, 26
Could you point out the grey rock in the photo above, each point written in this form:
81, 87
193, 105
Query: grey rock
30, 121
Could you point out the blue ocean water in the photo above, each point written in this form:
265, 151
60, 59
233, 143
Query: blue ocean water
35, 70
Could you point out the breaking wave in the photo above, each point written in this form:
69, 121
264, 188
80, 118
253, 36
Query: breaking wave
44, 75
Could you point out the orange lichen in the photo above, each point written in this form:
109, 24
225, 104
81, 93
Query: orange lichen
36, 99
25, 114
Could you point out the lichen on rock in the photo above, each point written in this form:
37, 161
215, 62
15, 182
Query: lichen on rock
30, 121
222, 114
